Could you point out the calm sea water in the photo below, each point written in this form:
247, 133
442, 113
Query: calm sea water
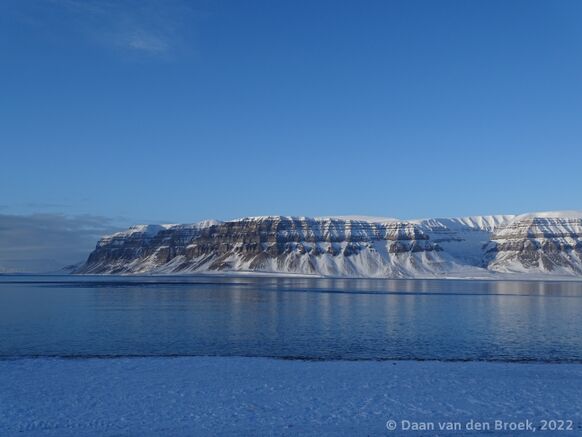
290, 317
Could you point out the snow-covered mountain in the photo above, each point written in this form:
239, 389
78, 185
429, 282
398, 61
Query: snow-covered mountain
463, 238
482, 246
538, 243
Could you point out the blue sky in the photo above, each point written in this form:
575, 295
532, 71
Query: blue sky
176, 111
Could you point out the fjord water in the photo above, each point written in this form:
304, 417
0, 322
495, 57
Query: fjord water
88, 316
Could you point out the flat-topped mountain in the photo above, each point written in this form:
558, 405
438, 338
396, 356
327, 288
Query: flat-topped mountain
545, 243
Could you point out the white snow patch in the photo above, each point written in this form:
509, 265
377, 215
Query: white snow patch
257, 396
551, 214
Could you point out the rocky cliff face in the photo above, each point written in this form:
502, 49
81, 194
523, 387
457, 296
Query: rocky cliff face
547, 243
271, 244
537, 244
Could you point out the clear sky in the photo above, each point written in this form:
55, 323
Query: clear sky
176, 111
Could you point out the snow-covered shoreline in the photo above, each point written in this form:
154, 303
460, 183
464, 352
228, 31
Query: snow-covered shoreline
497, 277
262, 396
493, 277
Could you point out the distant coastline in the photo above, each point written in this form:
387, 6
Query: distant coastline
529, 246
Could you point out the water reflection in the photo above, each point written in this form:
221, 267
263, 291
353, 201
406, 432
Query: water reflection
291, 317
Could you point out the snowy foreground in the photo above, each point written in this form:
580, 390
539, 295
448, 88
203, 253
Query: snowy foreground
259, 396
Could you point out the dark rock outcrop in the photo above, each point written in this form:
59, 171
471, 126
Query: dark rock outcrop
274, 244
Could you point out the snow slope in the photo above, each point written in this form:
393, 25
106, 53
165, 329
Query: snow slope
464, 238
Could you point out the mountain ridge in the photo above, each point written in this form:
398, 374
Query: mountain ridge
547, 243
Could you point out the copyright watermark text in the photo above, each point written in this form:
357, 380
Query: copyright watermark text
471, 425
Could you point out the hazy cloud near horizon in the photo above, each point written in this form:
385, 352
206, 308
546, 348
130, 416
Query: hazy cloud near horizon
40, 243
